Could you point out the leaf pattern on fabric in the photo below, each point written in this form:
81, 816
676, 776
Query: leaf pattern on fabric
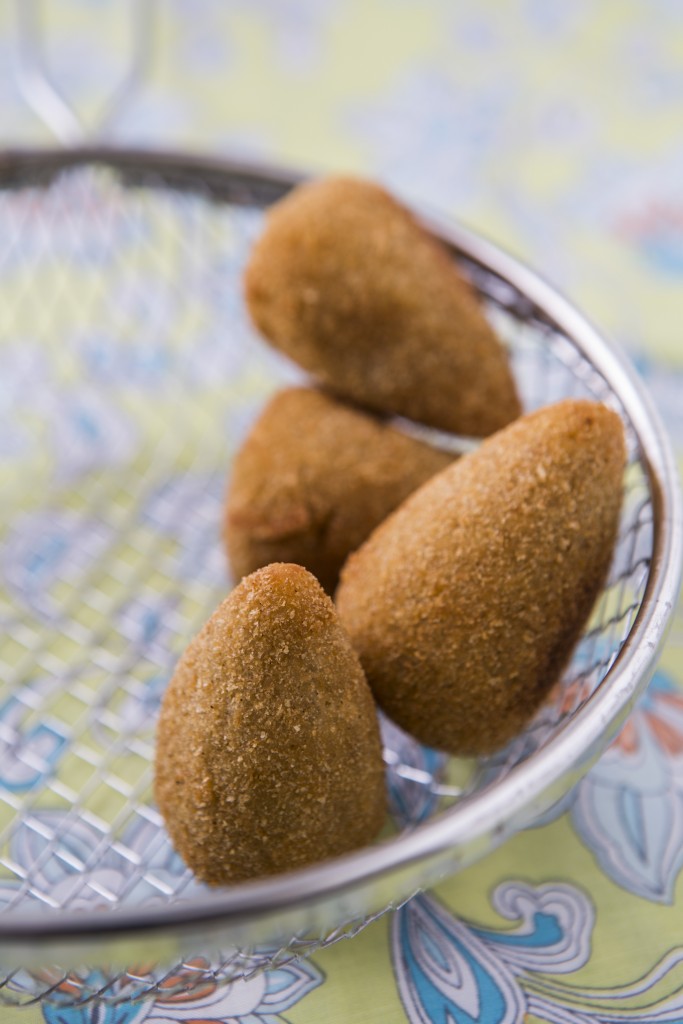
446, 973
450, 971
70, 860
628, 809
554, 931
257, 1000
411, 769
29, 750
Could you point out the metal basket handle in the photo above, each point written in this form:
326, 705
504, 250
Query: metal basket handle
43, 95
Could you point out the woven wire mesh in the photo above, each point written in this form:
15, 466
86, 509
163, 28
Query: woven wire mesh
128, 376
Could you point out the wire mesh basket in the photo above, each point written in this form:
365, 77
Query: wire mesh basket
128, 376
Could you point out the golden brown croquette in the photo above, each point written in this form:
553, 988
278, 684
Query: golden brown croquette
465, 604
268, 749
313, 479
347, 283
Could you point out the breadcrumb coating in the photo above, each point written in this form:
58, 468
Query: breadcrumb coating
465, 604
347, 283
313, 479
268, 749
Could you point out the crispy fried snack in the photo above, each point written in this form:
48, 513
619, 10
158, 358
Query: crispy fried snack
347, 283
268, 749
465, 604
313, 479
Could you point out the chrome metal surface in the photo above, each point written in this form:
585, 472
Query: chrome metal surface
42, 93
130, 375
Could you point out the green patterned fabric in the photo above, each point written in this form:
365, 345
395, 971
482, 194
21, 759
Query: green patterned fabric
557, 129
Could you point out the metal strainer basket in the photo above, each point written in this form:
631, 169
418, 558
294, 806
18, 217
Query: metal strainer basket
128, 376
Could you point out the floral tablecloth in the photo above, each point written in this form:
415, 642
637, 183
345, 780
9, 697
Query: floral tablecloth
556, 128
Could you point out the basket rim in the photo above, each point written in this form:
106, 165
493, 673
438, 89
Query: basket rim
578, 742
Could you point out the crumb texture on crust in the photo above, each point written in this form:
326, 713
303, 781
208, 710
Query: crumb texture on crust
313, 479
347, 283
465, 604
268, 749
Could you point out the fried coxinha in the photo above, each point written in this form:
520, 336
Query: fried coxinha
268, 750
465, 604
313, 479
346, 282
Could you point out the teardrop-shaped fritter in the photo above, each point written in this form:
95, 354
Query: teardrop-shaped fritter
313, 479
465, 604
268, 751
347, 283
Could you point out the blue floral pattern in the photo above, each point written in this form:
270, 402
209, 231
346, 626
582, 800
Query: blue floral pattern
261, 999
556, 129
29, 751
73, 862
450, 970
628, 809
411, 770
75, 867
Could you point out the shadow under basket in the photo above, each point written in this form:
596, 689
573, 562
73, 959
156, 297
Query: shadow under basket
129, 374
